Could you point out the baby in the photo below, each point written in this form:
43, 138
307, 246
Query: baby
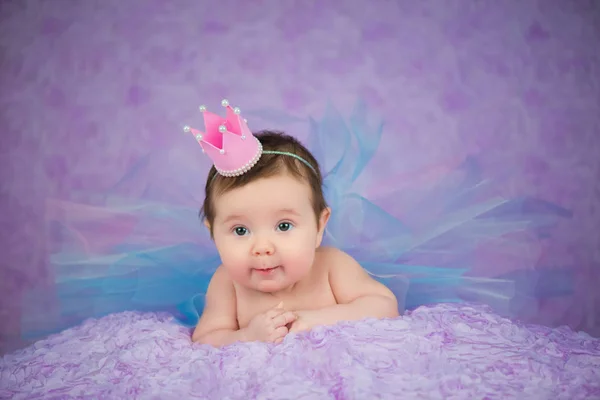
267, 221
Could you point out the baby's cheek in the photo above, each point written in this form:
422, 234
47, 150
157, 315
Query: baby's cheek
302, 261
237, 268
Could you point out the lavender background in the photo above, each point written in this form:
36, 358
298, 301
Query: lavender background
89, 86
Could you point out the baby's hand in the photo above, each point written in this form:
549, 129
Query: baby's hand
270, 326
304, 321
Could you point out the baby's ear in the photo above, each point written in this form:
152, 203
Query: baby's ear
207, 225
323, 219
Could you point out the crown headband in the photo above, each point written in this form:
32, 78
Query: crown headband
230, 144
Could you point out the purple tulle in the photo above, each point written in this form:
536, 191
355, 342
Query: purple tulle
439, 352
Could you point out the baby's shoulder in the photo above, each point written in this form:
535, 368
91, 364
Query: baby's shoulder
220, 282
327, 258
220, 274
328, 252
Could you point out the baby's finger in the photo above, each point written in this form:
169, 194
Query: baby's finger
278, 306
284, 318
279, 333
274, 312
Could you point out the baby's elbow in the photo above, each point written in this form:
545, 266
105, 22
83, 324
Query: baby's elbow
390, 306
199, 337
393, 311
196, 339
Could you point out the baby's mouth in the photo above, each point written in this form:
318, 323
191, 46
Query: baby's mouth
267, 271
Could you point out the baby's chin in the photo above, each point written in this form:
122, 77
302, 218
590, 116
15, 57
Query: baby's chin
273, 286
277, 281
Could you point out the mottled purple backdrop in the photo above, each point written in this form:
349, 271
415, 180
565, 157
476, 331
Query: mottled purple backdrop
88, 86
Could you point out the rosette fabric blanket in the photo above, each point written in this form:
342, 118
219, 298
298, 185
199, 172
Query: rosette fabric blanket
446, 351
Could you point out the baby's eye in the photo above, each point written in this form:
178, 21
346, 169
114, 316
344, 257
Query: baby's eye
284, 226
240, 230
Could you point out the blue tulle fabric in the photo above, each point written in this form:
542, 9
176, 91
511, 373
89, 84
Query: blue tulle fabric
141, 246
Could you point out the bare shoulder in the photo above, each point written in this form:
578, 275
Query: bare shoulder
220, 276
348, 279
220, 311
328, 257
336, 260
332, 253
220, 285
324, 256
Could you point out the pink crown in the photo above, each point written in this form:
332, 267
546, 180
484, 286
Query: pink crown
228, 142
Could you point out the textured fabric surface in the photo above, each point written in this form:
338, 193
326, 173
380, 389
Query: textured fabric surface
90, 86
442, 352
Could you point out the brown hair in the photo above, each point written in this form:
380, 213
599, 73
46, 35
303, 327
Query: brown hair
268, 165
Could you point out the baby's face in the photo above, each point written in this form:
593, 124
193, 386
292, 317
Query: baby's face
266, 232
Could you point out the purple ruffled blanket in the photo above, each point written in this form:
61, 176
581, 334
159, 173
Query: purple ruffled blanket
441, 352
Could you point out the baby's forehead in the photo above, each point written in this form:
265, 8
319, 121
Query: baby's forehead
283, 184
269, 195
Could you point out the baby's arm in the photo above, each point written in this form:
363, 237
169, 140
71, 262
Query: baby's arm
218, 324
358, 295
